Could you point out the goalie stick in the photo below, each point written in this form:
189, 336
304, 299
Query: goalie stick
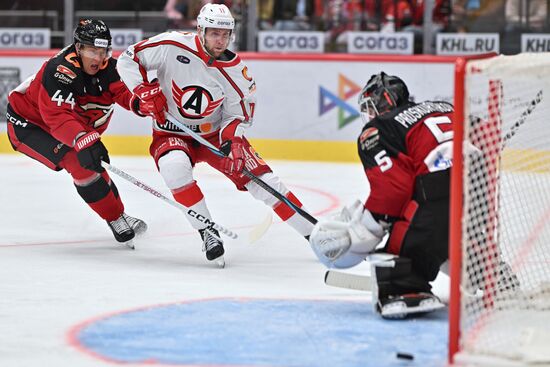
191, 213
347, 280
246, 172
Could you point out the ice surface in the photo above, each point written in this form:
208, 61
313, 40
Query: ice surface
63, 277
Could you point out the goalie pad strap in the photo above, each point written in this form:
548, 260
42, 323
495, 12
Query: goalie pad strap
400, 229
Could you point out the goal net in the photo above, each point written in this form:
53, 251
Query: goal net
500, 212
9, 80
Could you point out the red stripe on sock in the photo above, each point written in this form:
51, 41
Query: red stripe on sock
284, 211
188, 195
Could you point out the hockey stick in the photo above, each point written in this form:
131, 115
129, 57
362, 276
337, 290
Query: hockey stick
191, 213
348, 280
246, 172
530, 108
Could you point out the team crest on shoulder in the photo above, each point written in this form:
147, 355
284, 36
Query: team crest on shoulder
245, 74
368, 138
194, 101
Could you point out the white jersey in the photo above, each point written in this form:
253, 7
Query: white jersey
205, 94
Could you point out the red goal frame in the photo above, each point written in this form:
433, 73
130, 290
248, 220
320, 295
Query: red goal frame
456, 203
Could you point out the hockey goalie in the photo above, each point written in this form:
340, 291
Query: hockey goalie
406, 152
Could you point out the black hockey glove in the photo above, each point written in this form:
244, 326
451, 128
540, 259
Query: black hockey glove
90, 151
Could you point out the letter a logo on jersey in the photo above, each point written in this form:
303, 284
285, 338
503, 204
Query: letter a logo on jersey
194, 102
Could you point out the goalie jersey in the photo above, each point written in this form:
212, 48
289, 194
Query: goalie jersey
208, 95
398, 146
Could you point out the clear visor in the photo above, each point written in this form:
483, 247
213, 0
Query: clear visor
93, 52
216, 34
367, 109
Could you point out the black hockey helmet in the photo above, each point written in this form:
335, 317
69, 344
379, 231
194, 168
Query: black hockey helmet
92, 32
381, 94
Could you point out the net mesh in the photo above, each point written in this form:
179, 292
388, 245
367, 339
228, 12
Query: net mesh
9, 79
505, 283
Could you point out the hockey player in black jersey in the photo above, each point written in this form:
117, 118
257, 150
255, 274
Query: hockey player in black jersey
405, 148
406, 151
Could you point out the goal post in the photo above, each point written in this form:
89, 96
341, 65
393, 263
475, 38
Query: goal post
499, 311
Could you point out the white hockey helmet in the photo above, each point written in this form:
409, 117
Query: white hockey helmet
215, 16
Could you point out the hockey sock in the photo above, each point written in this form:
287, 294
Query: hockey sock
100, 196
191, 197
289, 216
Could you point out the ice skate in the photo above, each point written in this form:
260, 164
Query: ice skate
400, 306
122, 231
212, 245
139, 226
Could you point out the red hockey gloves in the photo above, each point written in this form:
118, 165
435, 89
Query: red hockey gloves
234, 149
90, 151
152, 101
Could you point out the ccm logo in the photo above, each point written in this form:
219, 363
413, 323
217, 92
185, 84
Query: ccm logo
150, 92
15, 120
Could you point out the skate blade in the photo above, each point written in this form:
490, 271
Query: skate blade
129, 244
220, 262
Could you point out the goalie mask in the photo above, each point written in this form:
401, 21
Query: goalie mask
381, 94
94, 33
215, 16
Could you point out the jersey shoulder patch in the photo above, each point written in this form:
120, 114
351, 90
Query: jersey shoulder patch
62, 72
369, 138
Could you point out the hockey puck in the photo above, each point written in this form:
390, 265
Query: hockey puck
407, 356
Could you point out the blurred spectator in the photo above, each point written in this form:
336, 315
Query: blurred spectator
292, 15
478, 15
440, 15
519, 17
265, 13
183, 13
388, 15
440, 21
175, 9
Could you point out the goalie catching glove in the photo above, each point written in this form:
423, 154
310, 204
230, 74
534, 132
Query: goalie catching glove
346, 240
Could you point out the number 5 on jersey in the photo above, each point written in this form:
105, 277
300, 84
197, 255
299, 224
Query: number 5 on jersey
383, 161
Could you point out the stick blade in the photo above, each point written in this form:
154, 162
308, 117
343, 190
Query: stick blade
260, 229
349, 281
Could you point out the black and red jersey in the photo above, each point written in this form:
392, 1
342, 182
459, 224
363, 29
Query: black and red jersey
398, 146
63, 100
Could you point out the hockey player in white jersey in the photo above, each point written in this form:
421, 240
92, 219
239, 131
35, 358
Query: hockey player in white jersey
203, 85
